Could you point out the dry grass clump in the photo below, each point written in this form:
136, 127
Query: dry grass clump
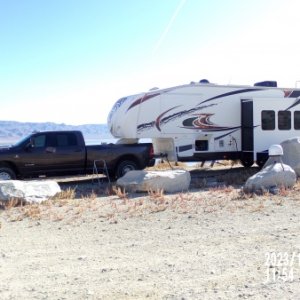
69, 193
81, 203
61, 207
119, 192
238, 178
296, 189
156, 194
13, 202
223, 163
156, 201
166, 165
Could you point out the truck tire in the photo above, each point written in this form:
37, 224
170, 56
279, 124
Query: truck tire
7, 173
124, 166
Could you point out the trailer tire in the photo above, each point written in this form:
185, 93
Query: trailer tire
260, 164
7, 173
247, 163
125, 166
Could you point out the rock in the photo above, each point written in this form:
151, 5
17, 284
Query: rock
170, 181
28, 191
291, 153
272, 176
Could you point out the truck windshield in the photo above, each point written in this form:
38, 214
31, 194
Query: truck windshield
22, 141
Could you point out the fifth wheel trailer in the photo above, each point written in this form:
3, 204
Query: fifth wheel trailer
203, 121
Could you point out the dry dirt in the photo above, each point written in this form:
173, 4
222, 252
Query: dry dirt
208, 243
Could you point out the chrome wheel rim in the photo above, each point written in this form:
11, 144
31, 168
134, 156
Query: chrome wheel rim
4, 176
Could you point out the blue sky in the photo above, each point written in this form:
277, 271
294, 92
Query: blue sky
68, 61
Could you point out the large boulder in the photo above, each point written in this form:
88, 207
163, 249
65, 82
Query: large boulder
291, 153
275, 175
28, 191
170, 181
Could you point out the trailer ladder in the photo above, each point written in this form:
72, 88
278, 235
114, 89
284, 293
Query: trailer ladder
97, 170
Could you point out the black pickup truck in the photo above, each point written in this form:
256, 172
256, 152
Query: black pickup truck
54, 153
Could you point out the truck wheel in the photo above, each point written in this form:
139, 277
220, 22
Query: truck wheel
7, 174
125, 166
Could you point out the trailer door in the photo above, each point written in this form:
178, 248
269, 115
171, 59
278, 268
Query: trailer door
247, 134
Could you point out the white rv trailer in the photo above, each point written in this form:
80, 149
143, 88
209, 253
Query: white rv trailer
203, 121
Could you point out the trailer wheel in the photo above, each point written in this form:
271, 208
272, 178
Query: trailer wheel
260, 163
7, 173
247, 163
124, 167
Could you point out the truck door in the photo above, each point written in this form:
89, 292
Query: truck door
247, 133
34, 159
66, 152
54, 153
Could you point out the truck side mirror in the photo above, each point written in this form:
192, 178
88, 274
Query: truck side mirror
30, 144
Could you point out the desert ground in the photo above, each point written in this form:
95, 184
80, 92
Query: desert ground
98, 242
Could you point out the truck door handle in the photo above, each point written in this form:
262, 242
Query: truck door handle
50, 150
78, 150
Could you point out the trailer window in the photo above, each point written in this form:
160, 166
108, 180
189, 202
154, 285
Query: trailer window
268, 119
201, 145
296, 119
284, 120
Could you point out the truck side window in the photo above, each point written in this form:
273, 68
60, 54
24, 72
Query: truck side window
268, 120
297, 119
284, 120
39, 141
66, 140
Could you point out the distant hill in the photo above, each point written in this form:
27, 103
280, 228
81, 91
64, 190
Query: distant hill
13, 131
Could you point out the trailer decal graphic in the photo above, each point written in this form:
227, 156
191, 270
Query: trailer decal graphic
160, 121
145, 126
294, 94
202, 121
287, 93
116, 107
223, 135
185, 148
182, 113
235, 129
293, 105
230, 94
215, 129
142, 99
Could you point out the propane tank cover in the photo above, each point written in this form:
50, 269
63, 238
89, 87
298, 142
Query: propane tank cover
275, 150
